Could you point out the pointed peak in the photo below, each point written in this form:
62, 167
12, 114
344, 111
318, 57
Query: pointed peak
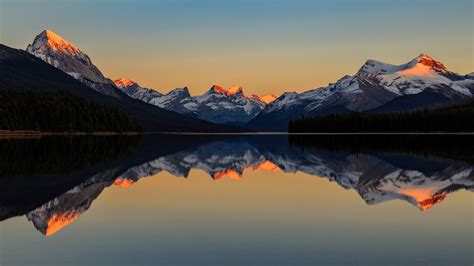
229, 92
180, 91
423, 55
229, 173
427, 60
51, 35
185, 88
59, 221
124, 83
216, 87
48, 39
123, 182
266, 99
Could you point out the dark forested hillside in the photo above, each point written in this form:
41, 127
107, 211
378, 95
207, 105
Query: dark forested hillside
20, 71
456, 118
59, 112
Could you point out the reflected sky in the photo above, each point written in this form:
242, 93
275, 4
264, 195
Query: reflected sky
174, 211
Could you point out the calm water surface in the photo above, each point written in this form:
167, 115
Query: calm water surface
183, 200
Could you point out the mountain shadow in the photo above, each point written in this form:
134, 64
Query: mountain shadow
21, 71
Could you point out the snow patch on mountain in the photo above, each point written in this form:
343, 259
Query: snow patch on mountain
218, 104
375, 84
266, 99
62, 54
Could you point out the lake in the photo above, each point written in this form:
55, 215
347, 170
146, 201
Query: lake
237, 200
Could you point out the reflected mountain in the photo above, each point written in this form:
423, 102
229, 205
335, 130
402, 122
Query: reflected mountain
403, 168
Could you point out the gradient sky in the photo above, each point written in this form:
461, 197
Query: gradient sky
263, 45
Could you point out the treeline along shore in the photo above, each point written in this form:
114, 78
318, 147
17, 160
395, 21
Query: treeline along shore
451, 119
27, 111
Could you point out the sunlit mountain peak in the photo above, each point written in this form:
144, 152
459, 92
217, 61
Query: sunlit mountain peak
229, 91
267, 166
422, 66
123, 182
427, 60
425, 198
49, 39
229, 173
426, 204
57, 222
124, 82
62, 54
266, 99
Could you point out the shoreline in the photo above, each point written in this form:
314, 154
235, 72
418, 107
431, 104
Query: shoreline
32, 134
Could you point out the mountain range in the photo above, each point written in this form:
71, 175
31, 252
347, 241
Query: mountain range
376, 87
52, 64
422, 181
217, 105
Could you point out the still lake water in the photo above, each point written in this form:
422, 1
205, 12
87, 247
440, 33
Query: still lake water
236, 200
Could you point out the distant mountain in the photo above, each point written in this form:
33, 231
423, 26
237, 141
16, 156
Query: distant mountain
217, 105
376, 86
266, 99
20, 71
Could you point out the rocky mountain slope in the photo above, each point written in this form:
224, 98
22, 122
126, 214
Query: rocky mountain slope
376, 87
60, 53
218, 104
22, 71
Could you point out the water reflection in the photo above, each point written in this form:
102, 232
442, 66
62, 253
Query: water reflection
53, 180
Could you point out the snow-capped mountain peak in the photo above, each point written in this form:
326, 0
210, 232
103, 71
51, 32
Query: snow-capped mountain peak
377, 86
426, 60
419, 66
229, 91
266, 99
62, 54
374, 67
122, 83
422, 72
181, 91
48, 39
